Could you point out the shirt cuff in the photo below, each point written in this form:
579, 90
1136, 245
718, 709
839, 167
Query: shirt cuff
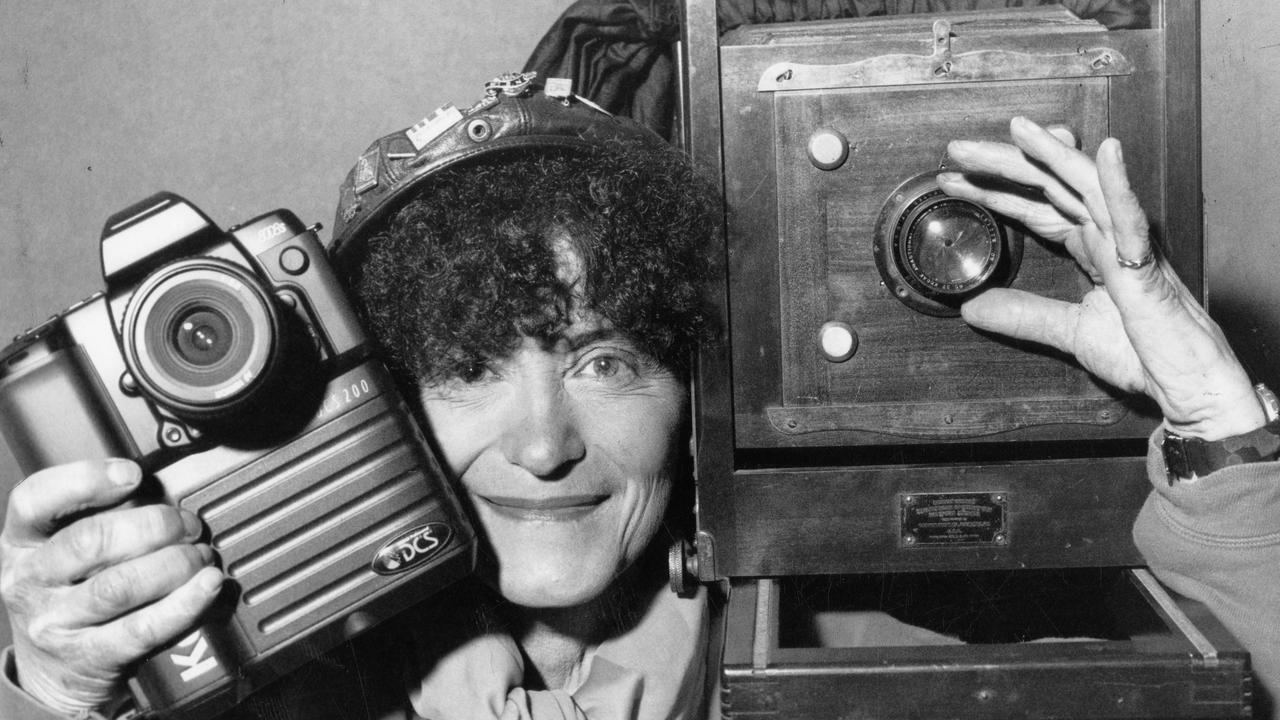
1236, 504
17, 704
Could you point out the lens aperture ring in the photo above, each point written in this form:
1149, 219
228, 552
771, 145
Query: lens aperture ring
200, 336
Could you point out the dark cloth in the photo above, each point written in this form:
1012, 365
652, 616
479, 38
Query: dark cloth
621, 53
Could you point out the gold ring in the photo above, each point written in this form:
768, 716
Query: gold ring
1146, 260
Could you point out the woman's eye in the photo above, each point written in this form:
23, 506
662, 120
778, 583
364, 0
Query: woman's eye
610, 368
472, 372
605, 366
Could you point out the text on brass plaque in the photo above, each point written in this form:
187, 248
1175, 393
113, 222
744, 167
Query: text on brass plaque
949, 519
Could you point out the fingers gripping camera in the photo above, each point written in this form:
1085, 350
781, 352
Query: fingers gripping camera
232, 368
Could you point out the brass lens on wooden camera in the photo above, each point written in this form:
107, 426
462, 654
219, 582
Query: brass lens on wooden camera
934, 251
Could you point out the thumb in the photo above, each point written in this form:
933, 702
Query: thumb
1024, 316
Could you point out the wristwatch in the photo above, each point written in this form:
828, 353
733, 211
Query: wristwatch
1188, 457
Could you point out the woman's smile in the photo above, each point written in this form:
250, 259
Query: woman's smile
561, 508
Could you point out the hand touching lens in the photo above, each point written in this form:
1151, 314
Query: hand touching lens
1139, 328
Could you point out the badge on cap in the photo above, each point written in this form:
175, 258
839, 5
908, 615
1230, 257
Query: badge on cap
433, 126
365, 175
511, 84
558, 88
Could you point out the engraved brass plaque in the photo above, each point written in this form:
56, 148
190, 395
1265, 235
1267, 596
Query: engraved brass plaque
953, 519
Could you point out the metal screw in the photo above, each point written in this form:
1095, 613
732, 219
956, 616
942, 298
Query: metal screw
479, 130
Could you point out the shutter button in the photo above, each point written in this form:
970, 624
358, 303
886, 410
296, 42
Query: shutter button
294, 261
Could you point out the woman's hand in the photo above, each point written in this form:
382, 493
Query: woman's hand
93, 584
1139, 328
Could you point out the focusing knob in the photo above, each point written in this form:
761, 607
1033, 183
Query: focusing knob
682, 567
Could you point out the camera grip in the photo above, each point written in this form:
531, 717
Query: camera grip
196, 674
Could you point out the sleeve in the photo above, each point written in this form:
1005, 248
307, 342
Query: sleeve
349, 683
16, 704
1217, 541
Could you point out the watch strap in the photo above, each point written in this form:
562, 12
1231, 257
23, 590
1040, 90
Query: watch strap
1186, 457
1270, 403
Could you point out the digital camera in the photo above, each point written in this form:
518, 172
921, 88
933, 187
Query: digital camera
232, 368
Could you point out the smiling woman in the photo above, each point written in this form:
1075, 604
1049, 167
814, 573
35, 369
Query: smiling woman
534, 267
546, 299
542, 301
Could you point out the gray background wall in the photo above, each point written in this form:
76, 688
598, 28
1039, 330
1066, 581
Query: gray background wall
1240, 104
248, 105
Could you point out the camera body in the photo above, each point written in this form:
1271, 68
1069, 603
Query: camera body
866, 458
848, 388
232, 368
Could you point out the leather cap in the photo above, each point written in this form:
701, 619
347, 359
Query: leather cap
516, 113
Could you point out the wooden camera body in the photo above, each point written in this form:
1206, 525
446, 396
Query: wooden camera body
853, 429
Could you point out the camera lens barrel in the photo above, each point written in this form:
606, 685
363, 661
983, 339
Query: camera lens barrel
934, 251
200, 336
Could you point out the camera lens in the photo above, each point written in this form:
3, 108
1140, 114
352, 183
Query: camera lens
203, 337
200, 336
934, 251
950, 247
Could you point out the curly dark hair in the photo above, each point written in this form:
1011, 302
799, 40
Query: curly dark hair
467, 266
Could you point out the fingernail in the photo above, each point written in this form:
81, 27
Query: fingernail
209, 579
191, 525
948, 177
206, 553
123, 472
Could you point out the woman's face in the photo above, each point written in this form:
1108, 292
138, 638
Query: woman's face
567, 450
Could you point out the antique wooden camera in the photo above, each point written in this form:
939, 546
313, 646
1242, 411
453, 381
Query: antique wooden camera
859, 443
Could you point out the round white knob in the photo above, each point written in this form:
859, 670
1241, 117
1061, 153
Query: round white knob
839, 342
827, 149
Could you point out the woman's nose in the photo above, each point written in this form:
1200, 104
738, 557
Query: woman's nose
543, 435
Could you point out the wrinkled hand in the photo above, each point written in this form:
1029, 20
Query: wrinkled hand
92, 585
1137, 329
